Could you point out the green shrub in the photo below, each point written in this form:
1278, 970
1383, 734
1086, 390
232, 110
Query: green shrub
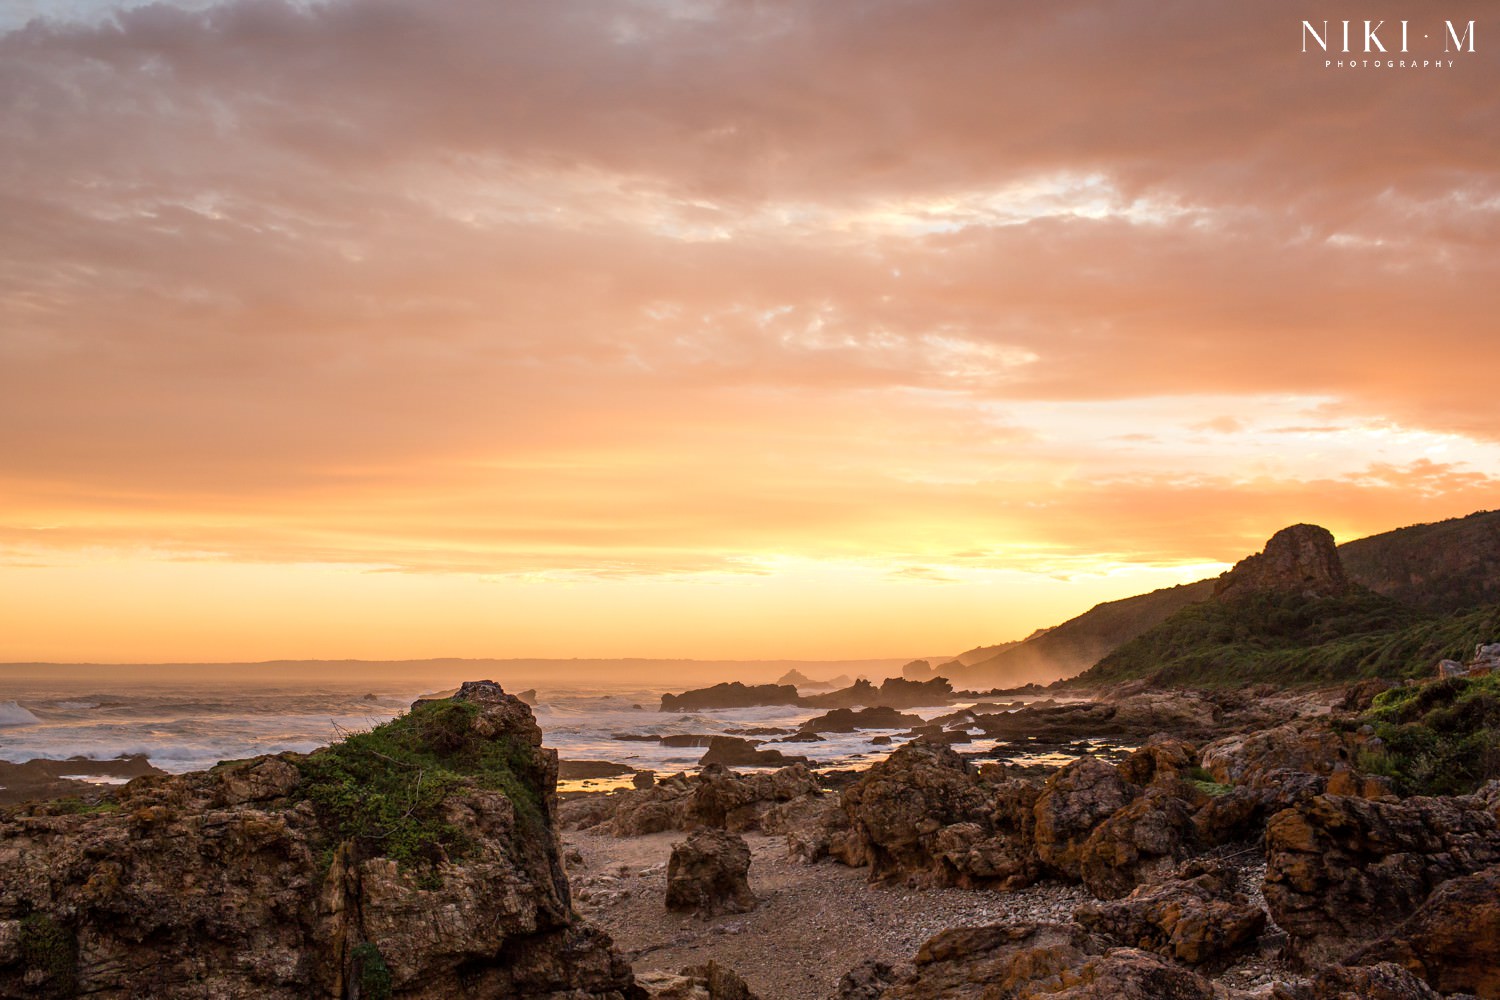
1439, 738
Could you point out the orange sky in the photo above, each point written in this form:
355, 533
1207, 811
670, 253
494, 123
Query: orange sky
835, 329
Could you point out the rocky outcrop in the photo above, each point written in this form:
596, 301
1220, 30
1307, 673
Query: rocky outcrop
731, 694
1148, 835
1301, 559
709, 874
1196, 918
733, 751
420, 858
46, 779
847, 720
894, 692
1075, 801
1340, 869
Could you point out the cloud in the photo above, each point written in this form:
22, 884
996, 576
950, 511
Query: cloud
636, 288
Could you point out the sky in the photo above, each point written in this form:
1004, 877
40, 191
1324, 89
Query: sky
730, 330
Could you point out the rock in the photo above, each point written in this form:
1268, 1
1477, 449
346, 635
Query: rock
708, 874
1452, 941
732, 694
732, 750
894, 692
643, 779
809, 823
703, 982
1450, 668
528, 696
880, 741
896, 810
1377, 982
1023, 962
1340, 870
1194, 919
918, 670
686, 740
260, 879
1308, 746
802, 737
1150, 833
1301, 559
1359, 697
577, 769
847, 720
1074, 801
716, 796
1127, 974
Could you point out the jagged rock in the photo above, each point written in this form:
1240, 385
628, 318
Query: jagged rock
256, 879
1340, 870
918, 670
897, 809
1074, 801
1453, 939
1385, 981
1148, 834
708, 874
716, 796
734, 751
847, 720
1301, 559
1194, 919
643, 779
1127, 974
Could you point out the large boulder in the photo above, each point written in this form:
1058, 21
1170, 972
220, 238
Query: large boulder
1341, 870
736, 751
421, 856
898, 809
709, 874
1075, 800
1145, 836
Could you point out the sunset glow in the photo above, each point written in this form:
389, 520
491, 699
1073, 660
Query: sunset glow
851, 329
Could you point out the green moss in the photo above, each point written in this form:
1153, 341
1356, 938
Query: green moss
72, 805
371, 972
383, 789
49, 947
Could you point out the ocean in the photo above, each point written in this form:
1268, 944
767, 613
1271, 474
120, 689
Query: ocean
191, 728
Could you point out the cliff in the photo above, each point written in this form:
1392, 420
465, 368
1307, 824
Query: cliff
417, 860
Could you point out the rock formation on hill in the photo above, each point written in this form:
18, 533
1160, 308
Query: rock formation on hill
418, 860
1301, 559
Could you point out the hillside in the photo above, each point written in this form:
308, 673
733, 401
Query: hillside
1291, 615
1444, 566
1078, 643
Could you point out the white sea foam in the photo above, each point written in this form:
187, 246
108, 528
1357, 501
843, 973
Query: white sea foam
12, 714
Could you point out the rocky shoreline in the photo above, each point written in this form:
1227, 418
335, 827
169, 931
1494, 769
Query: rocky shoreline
1245, 850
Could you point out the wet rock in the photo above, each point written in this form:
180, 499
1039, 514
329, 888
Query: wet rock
733, 751
708, 874
577, 769
732, 694
847, 720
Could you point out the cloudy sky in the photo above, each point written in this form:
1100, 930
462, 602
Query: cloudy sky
742, 329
